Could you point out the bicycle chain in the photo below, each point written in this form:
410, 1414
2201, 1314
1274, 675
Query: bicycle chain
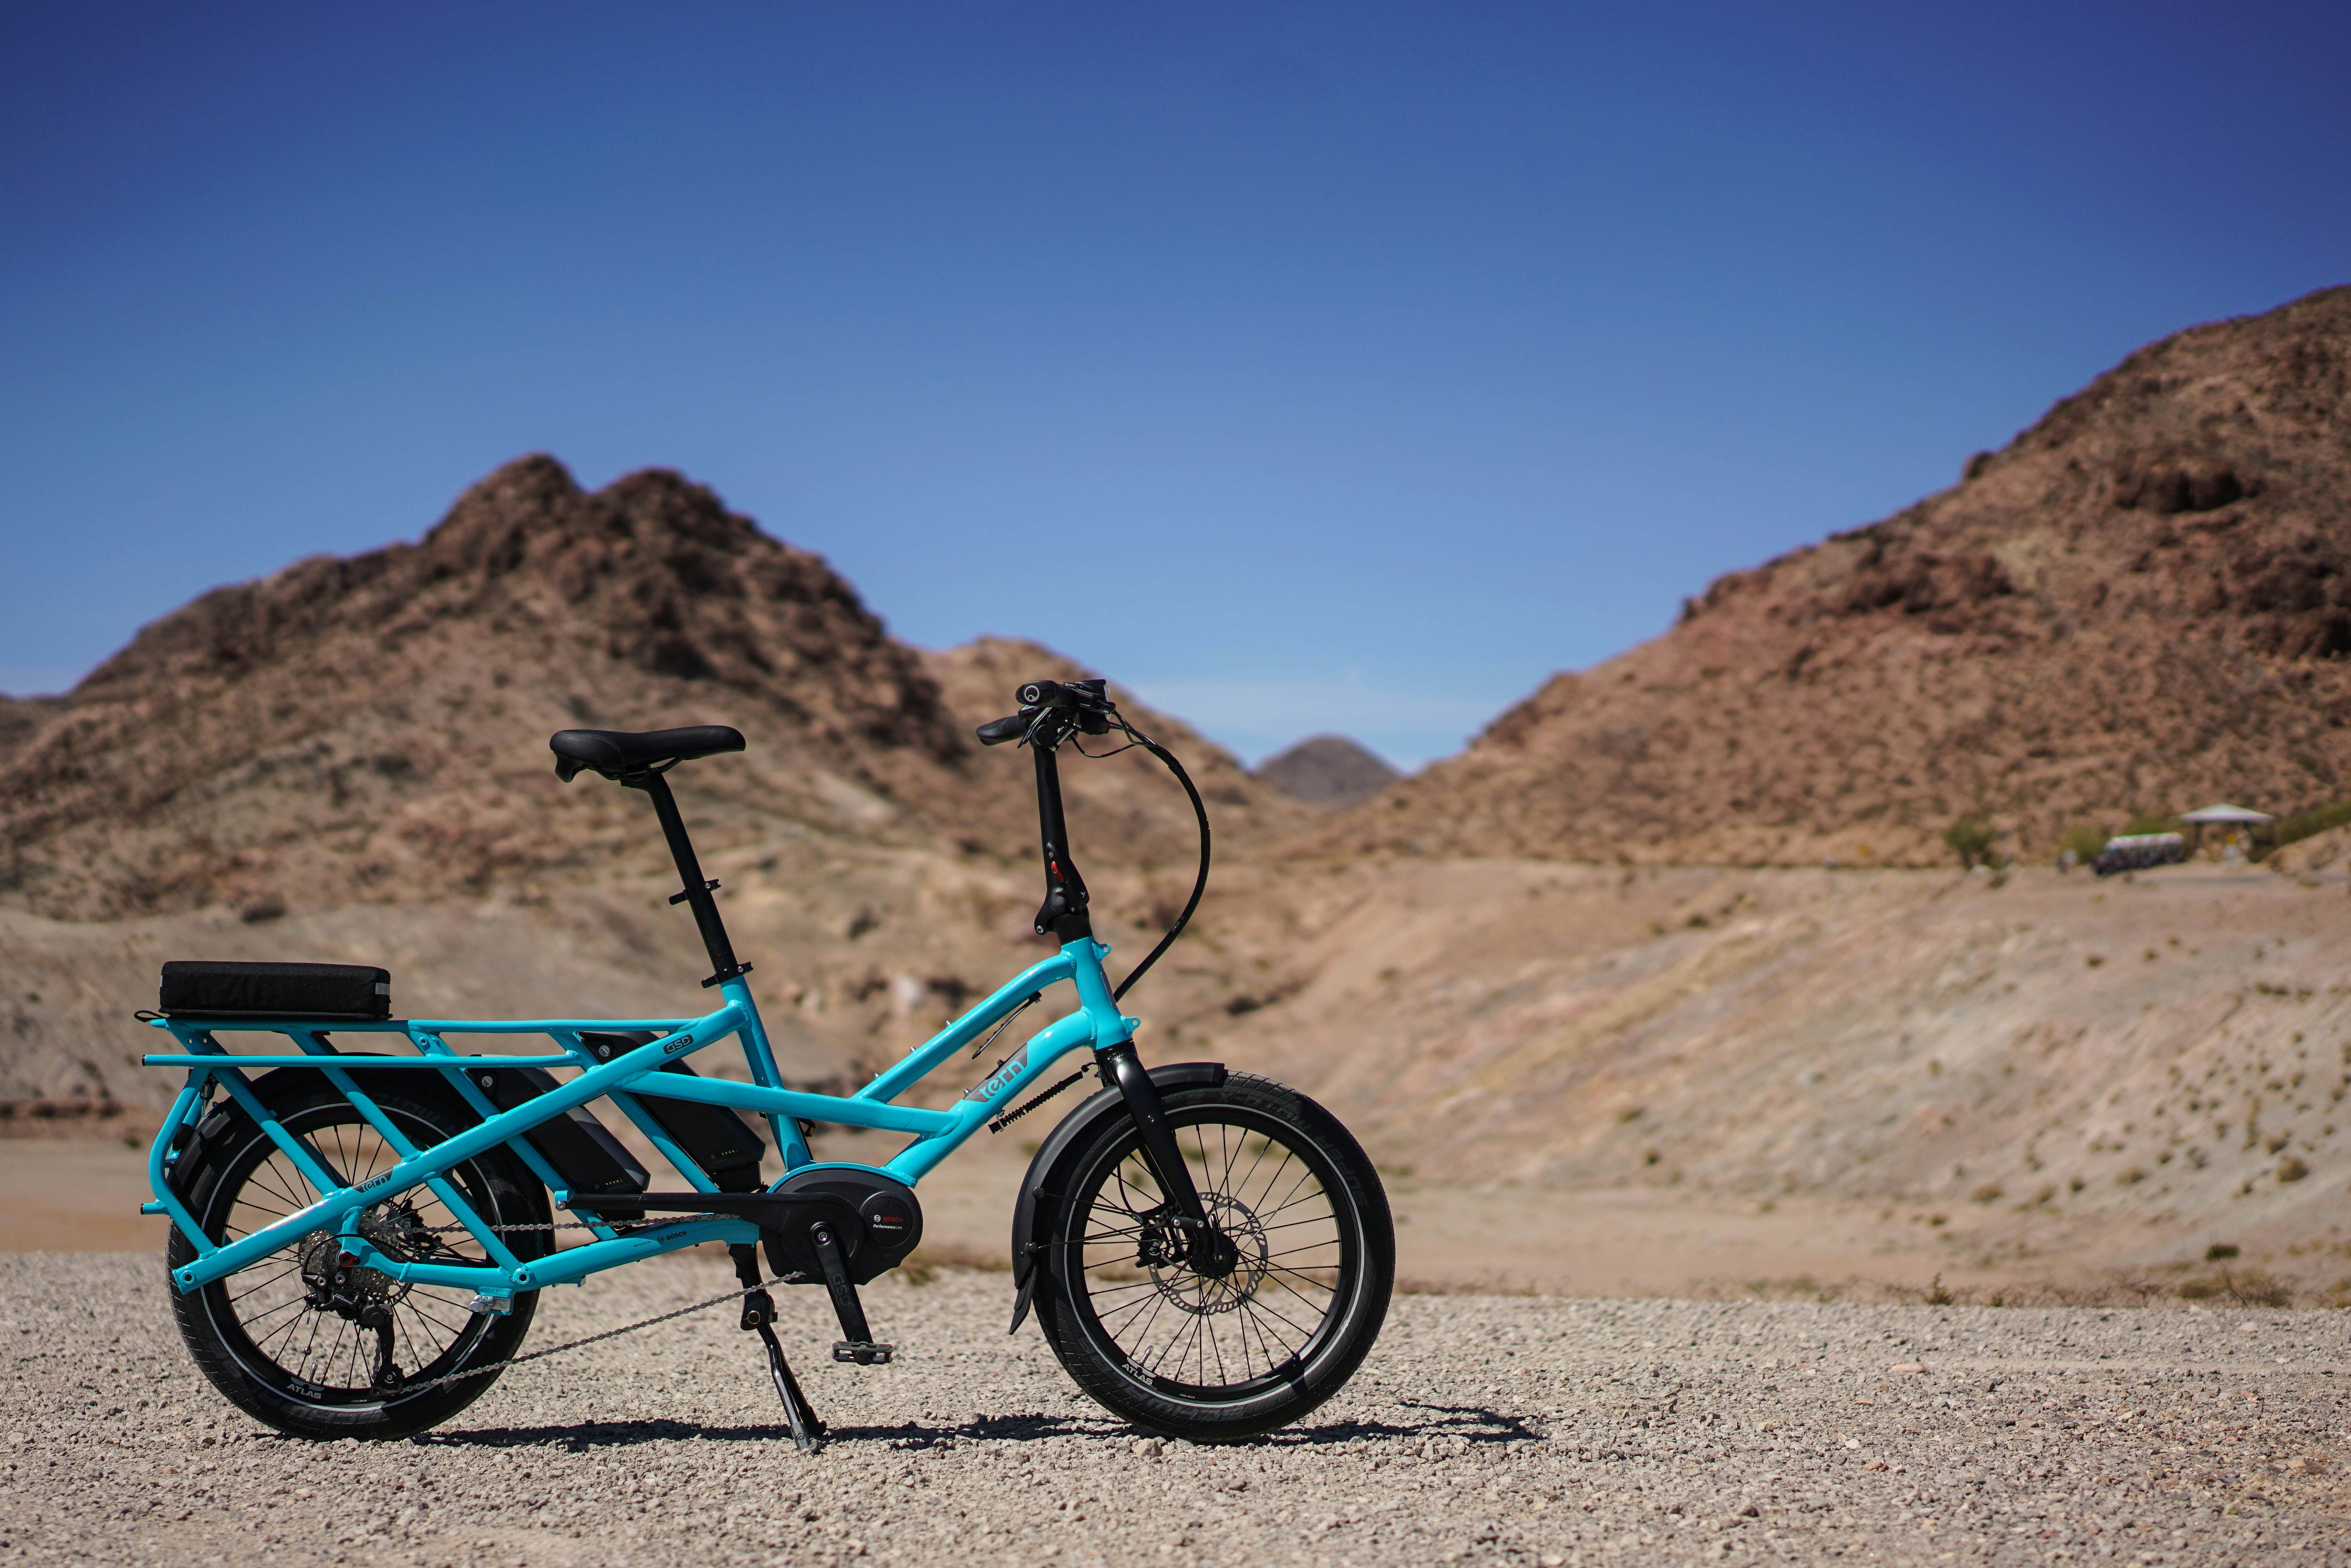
559, 1225
405, 1388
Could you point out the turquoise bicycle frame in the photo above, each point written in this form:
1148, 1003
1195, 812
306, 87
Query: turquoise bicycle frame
1097, 1023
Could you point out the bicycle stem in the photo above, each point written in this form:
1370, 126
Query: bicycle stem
1063, 913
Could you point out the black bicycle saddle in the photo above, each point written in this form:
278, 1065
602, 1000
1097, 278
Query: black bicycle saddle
616, 753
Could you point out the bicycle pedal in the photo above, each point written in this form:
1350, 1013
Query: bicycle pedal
864, 1353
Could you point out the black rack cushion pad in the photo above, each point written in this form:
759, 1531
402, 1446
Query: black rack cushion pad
208, 988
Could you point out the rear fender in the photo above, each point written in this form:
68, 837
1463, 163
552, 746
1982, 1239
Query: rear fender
224, 1115
1076, 1127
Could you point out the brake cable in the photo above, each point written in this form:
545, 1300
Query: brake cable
1040, 729
1200, 882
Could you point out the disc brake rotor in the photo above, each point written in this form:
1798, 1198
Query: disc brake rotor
1200, 1294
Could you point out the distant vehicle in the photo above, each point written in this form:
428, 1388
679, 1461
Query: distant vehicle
2136, 852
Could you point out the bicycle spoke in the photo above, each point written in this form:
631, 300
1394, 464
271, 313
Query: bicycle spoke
450, 1329
265, 1284
295, 1304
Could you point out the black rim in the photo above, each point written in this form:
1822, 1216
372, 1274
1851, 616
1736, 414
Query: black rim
270, 1314
1298, 1247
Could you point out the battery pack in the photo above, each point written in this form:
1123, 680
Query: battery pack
727, 1148
582, 1149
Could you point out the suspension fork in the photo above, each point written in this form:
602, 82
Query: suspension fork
1204, 1248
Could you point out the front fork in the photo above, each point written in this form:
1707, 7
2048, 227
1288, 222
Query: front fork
1206, 1250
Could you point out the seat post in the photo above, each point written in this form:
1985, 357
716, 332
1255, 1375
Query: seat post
696, 894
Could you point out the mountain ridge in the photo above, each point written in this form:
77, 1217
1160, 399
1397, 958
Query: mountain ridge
373, 728
2142, 601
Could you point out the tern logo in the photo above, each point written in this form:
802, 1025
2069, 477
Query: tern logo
998, 1082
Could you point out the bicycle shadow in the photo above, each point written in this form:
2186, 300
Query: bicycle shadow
1472, 1424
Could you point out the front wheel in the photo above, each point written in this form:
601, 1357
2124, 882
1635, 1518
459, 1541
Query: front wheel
1283, 1319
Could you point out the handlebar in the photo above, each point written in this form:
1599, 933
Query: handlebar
1087, 701
1050, 712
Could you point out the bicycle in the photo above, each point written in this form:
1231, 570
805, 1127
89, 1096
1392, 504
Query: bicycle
1208, 1253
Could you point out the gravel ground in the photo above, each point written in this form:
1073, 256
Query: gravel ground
1526, 1430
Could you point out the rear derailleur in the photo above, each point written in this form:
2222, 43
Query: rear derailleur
333, 1282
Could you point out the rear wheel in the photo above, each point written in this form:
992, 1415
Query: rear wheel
319, 1351
1258, 1341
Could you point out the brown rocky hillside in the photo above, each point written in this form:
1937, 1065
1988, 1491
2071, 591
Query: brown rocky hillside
2143, 602
374, 729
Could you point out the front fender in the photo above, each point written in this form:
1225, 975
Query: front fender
1079, 1124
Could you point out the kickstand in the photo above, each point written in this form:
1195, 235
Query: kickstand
760, 1314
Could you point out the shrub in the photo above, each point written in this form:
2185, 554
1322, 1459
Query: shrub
2291, 1169
1970, 839
2250, 1289
2085, 844
2302, 824
2254, 1289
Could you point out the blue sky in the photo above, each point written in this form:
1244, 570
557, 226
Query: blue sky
1306, 367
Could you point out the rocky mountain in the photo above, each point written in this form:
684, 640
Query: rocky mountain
2142, 602
1327, 771
374, 729
20, 717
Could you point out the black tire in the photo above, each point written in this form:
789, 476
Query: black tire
1207, 1359
306, 1369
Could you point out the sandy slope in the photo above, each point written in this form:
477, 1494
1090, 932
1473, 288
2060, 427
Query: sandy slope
1588, 1078
2110, 1072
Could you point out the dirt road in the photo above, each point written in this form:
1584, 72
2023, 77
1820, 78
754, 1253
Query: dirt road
1521, 1430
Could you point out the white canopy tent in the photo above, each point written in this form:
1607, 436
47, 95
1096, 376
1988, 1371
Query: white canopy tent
2227, 813
2237, 824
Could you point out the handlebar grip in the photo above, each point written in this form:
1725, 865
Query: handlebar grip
997, 731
